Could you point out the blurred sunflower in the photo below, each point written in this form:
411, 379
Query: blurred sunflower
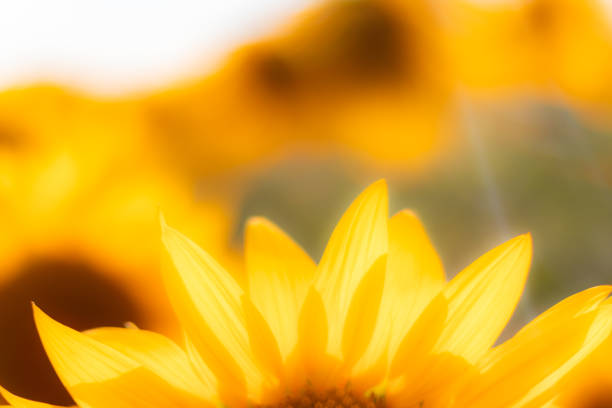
79, 194
374, 324
551, 46
367, 75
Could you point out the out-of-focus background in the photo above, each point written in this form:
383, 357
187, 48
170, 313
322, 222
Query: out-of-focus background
488, 119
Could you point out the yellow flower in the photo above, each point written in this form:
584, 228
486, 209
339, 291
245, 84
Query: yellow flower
80, 193
525, 45
374, 324
340, 73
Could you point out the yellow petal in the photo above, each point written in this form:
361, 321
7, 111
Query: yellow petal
207, 301
135, 389
279, 274
357, 241
416, 346
465, 320
157, 353
98, 376
415, 273
18, 402
581, 302
528, 366
414, 276
590, 383
312, 340
433, 384
421, 373
482, 298
67, 349
313, 326
263, 343
363, 312
598, 332
202, 370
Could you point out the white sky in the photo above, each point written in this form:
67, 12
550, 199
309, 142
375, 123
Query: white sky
115, 46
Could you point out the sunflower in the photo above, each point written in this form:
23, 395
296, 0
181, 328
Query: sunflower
374, 324
338, 73
79, 194
550, 46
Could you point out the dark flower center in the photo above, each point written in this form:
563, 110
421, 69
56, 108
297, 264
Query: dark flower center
333, 398
73, 292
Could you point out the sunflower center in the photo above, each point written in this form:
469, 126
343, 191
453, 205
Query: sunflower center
73, 291
333, 398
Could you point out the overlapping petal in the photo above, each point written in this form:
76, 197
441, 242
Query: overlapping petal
523, 371
461, 323
207, 301
313, 332
97, 374
18, 402
279, 275
414, 276
363, 312
358, 240
159, 354
482, 298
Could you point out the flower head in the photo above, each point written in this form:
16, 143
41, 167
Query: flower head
342, 69
550, 46
374, 324
80, 199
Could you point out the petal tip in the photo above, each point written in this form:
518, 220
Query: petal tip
45, 324
523, 241
376, 192
40, 317
524, 245
258, 227
379, 186
526, 240
36, 310
258, 221
608, 300
408, 215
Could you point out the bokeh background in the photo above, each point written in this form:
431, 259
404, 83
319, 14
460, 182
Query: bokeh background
488, 119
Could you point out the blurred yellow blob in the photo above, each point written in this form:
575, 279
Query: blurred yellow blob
367, 75
80, 195
554, 46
